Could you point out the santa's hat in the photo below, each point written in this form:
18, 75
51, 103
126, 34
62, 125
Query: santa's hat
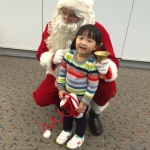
69, 103
85, 6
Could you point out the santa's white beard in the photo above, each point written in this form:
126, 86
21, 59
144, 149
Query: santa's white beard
62, 34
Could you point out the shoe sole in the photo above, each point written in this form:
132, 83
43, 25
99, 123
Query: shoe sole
60, 144
64, 142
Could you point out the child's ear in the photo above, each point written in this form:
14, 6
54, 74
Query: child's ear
95, 48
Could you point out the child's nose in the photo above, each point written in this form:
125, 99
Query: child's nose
83, 42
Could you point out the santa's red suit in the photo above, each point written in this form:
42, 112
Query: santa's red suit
47, 92
56, 40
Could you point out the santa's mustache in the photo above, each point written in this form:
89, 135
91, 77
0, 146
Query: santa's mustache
67, 27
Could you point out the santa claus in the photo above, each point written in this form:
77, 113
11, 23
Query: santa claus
56, 40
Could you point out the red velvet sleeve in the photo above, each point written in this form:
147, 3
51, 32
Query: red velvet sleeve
42, 48
107, 43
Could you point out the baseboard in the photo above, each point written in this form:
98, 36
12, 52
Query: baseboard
17, 53
134, 64
31, 54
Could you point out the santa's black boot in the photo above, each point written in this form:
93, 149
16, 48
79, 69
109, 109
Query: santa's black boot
95, 123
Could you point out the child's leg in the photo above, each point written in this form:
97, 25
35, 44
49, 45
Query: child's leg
68, 122
80, 125
67, 130
78, 139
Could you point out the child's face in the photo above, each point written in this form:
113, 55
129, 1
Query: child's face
85, 45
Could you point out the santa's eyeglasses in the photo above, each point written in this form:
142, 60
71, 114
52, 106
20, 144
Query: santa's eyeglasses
69, 15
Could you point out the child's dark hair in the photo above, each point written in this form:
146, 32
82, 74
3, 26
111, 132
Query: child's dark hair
92, 32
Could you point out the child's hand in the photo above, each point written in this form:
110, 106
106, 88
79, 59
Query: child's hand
81, 108
61, 93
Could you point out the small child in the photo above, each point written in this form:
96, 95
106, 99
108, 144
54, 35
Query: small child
78, 75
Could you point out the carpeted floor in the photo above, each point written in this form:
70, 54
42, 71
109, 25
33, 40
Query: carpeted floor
126, 121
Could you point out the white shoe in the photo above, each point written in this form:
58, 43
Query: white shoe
75, 142
63, 137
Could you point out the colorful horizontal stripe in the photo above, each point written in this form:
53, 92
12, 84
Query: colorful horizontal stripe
79, 78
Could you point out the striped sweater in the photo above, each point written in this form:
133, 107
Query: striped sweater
80, 78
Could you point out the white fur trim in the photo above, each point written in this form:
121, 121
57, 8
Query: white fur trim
98, 109
47, 134
63, 101
85, 6
74, 103
114, 70
45, 59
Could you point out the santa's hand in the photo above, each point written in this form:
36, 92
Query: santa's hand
103, 66
59, 56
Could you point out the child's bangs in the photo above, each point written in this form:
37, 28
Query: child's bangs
89, 33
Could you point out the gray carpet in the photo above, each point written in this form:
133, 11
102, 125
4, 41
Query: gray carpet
126, 121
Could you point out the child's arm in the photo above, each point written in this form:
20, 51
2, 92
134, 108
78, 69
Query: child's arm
61, 93
61, 80
93, 81
81, 108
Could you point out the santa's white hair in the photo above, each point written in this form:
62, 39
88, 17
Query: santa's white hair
61, 33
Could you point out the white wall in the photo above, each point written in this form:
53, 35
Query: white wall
114, 16
49, 9
137, 44
20, 24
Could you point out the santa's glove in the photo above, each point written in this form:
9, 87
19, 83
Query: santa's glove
59, 56
103, 66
